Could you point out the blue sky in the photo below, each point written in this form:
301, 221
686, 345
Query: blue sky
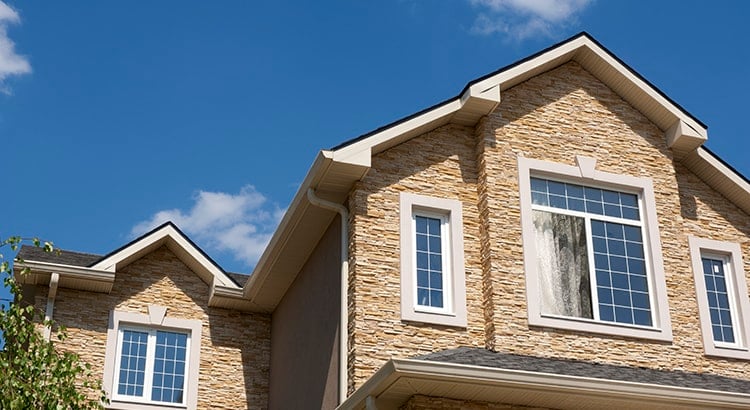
117, 115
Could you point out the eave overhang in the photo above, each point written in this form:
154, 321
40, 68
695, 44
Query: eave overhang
71, 277
170, 236
399, 379
334, 172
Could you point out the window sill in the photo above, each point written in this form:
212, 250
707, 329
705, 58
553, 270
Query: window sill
605, 328
444, 319
135, 405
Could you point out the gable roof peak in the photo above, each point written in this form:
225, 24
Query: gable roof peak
167, 234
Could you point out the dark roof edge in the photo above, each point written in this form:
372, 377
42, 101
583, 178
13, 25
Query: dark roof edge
508, 67
726, 164
173, 225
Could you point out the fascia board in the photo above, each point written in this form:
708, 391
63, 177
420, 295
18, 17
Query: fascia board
582, 386
724, 170
631, 77
68, 271
287, 225
508, 78
166, 234
575, 383
569, 51
374, 141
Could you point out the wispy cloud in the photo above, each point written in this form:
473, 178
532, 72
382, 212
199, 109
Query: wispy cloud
521, 19
10, 62
239, 224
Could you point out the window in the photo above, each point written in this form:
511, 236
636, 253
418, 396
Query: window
152, 365
432, 264
431, 233
722, 297
591, 250
152, 360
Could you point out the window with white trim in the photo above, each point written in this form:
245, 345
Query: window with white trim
432, 266
152, 360
151, 365
722, 297
431, 254
592, 253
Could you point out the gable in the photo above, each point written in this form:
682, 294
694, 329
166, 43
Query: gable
334, 172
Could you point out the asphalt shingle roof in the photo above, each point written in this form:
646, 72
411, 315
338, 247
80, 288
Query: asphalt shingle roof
34, 253
488, 358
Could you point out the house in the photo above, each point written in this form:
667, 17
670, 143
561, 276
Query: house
555, 236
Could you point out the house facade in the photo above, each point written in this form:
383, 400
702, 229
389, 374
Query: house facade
555, 236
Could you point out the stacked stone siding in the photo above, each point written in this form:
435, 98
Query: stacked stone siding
235, 346
440, 164
553, 117
420, 402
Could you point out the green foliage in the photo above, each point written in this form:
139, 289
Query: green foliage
33, 374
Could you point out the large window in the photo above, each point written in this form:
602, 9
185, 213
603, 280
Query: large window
722, 297
152, 365
591, 250
152, 360
432, 264
576, 225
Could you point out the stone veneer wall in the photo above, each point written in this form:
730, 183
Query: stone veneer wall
440, 164
568, 112
235, 346
420, 402
554, 117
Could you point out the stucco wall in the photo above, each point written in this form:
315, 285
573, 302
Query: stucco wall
235, 346
304, 332
552, 117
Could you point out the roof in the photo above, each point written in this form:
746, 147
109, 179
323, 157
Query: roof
488, 358
334, 172
480, 375
64, 257
97, 273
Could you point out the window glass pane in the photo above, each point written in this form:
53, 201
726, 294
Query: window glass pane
429, 263
574, 191
563, 264
132, 363
168, 382
617, 250
623, 262
538, 185
718, 300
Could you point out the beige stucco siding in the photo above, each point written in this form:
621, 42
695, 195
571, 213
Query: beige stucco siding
305, 332
552, 117
235, 346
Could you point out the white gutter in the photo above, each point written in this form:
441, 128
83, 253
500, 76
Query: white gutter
53, 282
429, 374
344, 302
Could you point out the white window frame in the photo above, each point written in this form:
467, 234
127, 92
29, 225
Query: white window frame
449, 212
155, 320
149, 371
739, 304
585, 174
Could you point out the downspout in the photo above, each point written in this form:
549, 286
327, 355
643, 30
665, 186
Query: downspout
53, 281
344, 319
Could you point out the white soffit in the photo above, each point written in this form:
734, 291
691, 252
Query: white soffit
719, 176
334, 172
178, 243
400, 379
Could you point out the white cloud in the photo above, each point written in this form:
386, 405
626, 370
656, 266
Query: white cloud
10, 62
521, 19
239, 224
